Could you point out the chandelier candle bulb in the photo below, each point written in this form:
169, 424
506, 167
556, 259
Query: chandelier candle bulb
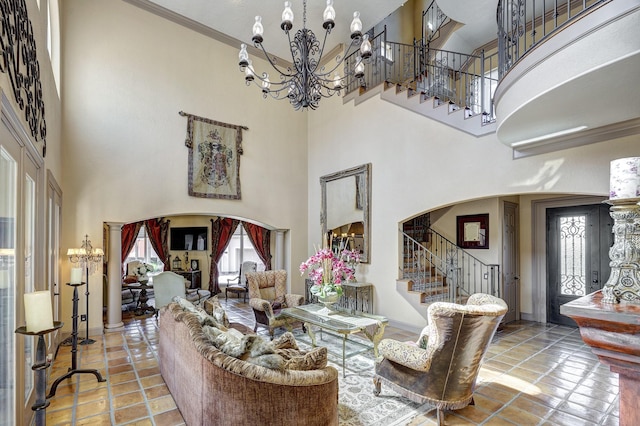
356, 25
329, 16
258, 30
37, 311
287, 17
76, 275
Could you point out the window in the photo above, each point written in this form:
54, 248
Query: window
386, 51
239, 250
480, 104
144, 252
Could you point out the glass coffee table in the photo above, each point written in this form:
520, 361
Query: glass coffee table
339, 322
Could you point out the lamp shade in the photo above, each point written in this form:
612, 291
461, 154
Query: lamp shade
625, 178
37, 311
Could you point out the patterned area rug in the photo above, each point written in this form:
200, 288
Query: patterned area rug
357, 405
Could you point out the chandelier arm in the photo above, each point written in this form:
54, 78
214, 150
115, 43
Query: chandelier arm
340, 59
273, 64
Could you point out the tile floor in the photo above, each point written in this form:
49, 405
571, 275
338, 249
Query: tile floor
533, 374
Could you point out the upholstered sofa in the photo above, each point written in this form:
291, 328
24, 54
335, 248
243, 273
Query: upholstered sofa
211, 387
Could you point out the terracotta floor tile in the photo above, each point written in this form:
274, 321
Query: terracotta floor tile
99, 420
122, 378
169, 418
127, 399
92, 408
519, 416
134, 412
125, 388
150, 381
162, 404
538, 374
156, 391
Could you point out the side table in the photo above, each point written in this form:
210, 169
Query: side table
356, 296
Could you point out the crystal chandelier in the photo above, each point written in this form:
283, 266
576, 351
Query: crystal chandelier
306, 81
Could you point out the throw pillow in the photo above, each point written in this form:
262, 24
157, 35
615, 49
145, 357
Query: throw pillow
250, 348
203, 316
285, 341
271, 361
217, 311
315, 359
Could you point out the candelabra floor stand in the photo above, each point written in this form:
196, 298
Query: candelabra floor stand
40, 367
74, 348
86, 340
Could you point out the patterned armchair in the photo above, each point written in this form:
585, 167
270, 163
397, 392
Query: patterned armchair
267, 295
442, 367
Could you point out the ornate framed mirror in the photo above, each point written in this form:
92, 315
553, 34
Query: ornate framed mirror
345, 210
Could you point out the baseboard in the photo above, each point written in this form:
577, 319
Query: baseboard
527, 317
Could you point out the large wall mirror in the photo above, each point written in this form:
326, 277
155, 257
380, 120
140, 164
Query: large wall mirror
345, 209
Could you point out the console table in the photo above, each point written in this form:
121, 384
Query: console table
195, 277
613, 332
356, 296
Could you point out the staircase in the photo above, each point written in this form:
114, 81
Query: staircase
453, 88
439, 271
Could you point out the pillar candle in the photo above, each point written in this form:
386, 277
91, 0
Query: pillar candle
76, 275
37, 311
625, 178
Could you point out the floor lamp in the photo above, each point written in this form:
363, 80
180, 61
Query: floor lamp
88, 257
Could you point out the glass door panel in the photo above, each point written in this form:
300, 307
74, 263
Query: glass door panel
8, 212
29, 271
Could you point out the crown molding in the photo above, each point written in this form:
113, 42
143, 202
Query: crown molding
176, 18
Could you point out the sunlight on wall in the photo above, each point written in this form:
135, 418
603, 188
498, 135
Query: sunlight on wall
545, 179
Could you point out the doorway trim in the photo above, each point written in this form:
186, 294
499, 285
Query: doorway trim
539, 248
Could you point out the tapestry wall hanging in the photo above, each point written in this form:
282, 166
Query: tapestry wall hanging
214, 157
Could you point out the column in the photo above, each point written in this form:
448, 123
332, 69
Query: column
114, 306
279, 255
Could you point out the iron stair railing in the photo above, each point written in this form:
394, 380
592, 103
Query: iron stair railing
461, 80
433, 19
445, 272
523, 24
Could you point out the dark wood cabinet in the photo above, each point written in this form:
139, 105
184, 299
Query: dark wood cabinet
194, 276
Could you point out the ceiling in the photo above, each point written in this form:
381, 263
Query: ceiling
235, 18
231, 21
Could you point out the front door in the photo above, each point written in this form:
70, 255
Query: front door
510, 256
578, 242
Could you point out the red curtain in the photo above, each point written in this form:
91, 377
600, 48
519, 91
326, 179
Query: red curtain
158, 233
261, 239
222, 230
129, 234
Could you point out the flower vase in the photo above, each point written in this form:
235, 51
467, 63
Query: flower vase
329, 300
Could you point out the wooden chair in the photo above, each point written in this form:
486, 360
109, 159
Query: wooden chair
241, 286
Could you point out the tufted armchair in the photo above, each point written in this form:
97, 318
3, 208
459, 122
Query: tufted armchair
442, 367
168, 284
268, 295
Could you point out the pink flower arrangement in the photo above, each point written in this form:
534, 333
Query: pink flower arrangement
328, 271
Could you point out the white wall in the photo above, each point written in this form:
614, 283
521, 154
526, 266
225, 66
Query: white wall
126, 75
420, 165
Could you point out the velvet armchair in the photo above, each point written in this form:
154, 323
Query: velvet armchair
442, 367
